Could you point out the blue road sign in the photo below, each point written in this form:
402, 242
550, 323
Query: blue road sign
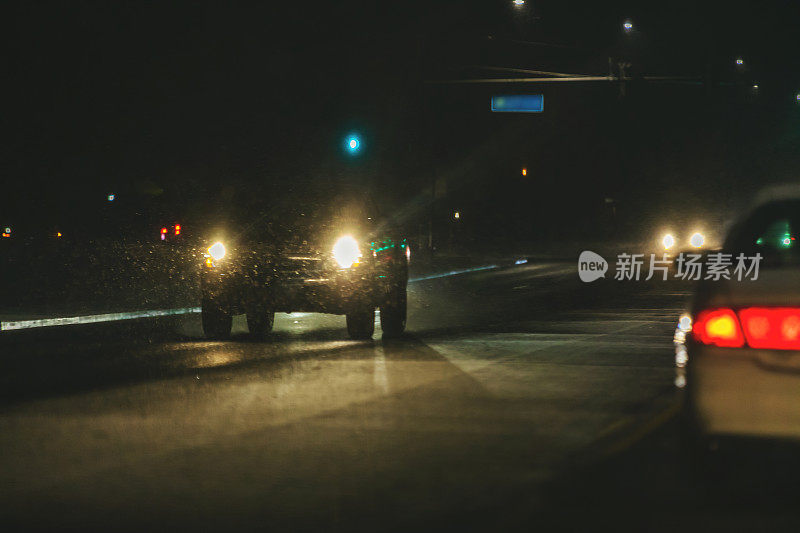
518, 103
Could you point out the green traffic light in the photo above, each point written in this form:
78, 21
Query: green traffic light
353, 144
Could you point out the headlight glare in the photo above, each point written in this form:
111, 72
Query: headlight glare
697, 240
217, 251
346, 251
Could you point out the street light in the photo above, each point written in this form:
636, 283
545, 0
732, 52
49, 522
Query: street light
519, 3
627, 26
111, 197
457, 215
739, 62
524, 171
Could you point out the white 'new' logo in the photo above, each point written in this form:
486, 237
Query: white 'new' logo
591, 266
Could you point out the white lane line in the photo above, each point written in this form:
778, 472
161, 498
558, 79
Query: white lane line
453, 273
379, 375
93, 319
131, 315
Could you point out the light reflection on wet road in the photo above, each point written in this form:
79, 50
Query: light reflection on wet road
493, 391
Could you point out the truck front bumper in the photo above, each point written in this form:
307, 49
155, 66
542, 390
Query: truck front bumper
337, 292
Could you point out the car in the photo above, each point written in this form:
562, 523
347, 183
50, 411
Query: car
335, 258
171, 233
738, 347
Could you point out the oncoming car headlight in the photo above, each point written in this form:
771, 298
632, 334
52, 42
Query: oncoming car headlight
216, 251
697, 240
346, 251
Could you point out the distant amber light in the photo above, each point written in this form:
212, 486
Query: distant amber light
524, 171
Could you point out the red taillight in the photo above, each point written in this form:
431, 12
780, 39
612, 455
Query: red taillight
719, 327
767, 328
776, 328
163, 230
177, 229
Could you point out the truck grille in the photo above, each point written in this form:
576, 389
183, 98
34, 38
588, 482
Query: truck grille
298, 267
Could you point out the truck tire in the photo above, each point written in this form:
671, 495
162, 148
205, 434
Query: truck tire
217, 321
361, 324
393, 313
260, 321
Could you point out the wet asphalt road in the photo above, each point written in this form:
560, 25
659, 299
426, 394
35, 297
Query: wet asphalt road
519, 398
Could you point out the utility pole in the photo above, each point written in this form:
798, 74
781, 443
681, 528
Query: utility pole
432, 214
623, 67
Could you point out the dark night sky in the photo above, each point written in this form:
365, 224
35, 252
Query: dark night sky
190, 97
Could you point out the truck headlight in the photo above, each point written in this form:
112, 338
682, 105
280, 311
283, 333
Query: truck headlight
346, 251
216, 251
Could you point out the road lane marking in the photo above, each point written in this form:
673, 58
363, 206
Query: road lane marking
453, 273
380, 378
615, 427
94, 319
640, 432
153, 313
